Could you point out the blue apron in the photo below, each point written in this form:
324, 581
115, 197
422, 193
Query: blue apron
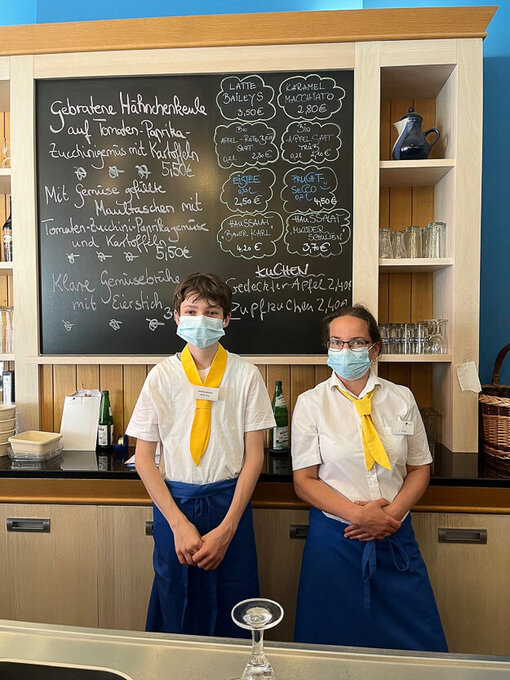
191, 600
366, 594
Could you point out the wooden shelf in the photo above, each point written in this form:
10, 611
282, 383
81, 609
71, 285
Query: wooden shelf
5, 180
416, 358
414, 264
138, 359
7, 357
5, 88
424, 81
423, 173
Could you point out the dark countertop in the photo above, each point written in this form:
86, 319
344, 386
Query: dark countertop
448, 469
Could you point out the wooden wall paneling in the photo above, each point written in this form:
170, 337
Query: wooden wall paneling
87, 376
400, 374
322, 373
3, 290
421, 384
64, 383
263, 372
46, 398
302, 379
134, 377
111, 378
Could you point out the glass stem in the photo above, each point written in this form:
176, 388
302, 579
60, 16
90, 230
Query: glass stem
258, 658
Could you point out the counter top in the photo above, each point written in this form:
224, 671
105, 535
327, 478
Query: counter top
460, 482
156, 656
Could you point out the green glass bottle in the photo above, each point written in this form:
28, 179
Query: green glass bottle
105, 425
279, 435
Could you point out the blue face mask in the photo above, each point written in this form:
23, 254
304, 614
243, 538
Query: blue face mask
200, 331
348, 364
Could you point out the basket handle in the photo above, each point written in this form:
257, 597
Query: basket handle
497, 365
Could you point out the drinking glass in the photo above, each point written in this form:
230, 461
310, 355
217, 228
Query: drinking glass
434, 239
6, 158
257, 614
422, 334
398, 243
413, 241
437, 337
6, 331
385, 249
384, 329
408, 338
396, 338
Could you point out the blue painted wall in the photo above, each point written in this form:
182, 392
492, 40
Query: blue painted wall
495, 276
14, 12
80, 10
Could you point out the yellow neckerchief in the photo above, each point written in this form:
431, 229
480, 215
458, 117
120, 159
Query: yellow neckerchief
372, 444
201, 428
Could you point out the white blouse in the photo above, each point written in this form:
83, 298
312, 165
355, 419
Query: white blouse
165, 410
326, 431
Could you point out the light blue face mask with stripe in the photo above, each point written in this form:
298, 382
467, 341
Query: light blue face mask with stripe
200, 331
349, 364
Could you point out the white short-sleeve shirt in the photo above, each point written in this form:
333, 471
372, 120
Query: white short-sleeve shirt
165, 410
326, 431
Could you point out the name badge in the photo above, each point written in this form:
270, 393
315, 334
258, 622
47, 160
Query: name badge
206, 393
402, 427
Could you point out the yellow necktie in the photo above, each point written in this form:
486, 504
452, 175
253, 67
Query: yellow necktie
372, 444
201, 428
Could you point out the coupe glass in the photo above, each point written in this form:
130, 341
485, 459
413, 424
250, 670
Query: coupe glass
257, 614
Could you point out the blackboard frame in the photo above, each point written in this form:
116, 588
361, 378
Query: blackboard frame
313, 347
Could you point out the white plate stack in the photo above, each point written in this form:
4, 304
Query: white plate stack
7, 427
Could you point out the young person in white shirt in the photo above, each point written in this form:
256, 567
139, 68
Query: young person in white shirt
208, 409
361, 466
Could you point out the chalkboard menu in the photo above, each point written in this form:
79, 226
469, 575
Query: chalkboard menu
142, 181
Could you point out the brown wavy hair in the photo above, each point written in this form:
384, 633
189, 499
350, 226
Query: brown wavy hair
359, 312
205, 287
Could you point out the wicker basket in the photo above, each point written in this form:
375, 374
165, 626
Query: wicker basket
495, 414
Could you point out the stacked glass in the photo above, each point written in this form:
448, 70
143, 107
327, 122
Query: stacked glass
422, 337
413, 241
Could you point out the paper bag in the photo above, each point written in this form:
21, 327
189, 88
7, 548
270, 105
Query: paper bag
79, 420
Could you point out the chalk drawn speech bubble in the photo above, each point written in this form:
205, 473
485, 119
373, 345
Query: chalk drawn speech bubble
310, 189
250, 236
318, 234
247, 99
240, 144
311, 97
248, 190
305, 142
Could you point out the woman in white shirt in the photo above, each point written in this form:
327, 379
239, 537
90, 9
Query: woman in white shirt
361, 460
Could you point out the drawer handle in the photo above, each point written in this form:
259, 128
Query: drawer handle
28, 524
298, 530
149, 526
462, 536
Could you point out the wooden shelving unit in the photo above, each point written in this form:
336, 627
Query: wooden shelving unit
426, 172
399, 58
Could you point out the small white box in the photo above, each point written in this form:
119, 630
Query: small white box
35, 442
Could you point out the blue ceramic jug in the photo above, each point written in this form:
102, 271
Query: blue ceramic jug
412, 142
